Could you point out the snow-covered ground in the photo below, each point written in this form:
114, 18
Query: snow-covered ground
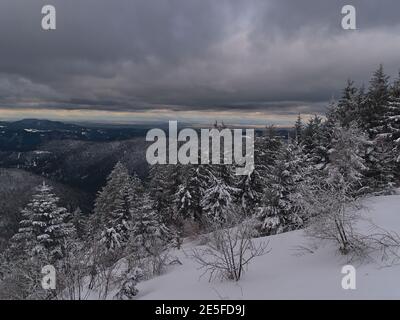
287, 272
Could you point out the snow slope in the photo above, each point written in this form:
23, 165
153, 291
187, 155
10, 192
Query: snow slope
287, 272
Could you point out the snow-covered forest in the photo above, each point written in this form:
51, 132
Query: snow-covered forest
315, 185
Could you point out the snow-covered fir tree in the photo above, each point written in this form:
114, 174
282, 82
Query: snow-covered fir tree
392, 122
218, 200
114, 205
191, 192
165, 182
250, 190
269, 146
316, 142
79, 220
346, 156
298, 129
109, 198
392, 115
45, 226
379, 159
266, 150
278, 211
221, 191
375, 104
347, 109
380, 175
158, 187
149, 235
251, 186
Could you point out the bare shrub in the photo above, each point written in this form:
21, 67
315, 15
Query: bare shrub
73, 275
229, 251
334, 215
331, 212
385, 244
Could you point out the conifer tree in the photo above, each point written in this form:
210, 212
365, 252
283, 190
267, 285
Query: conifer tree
110, 198
149, 235
392, 122
45, 227
114, 205
376, 103
316, 142
379, 156
347, 108
252, 186
218, 197
191, 192
165, 182
278, 211
346, 157
80, 223
298, 129
221, 190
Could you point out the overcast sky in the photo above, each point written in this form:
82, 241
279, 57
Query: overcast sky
242, 60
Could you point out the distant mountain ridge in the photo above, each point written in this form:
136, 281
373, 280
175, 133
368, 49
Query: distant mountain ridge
29, 134
41, 124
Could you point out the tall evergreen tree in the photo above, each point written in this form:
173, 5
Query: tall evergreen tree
316, 142
165, 182
218, 197
221, 190
376, 103
347, 108
346, 156
114, 205
191, 192
379, 156
149, 235
109, 198
252, 186
270, 146
45, 227
278, 211
79, 220
392, 122
379, 160
250, 190
298, 129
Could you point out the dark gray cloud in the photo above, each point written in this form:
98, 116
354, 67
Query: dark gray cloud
276, 55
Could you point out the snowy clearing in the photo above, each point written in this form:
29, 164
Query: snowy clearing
288, 272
